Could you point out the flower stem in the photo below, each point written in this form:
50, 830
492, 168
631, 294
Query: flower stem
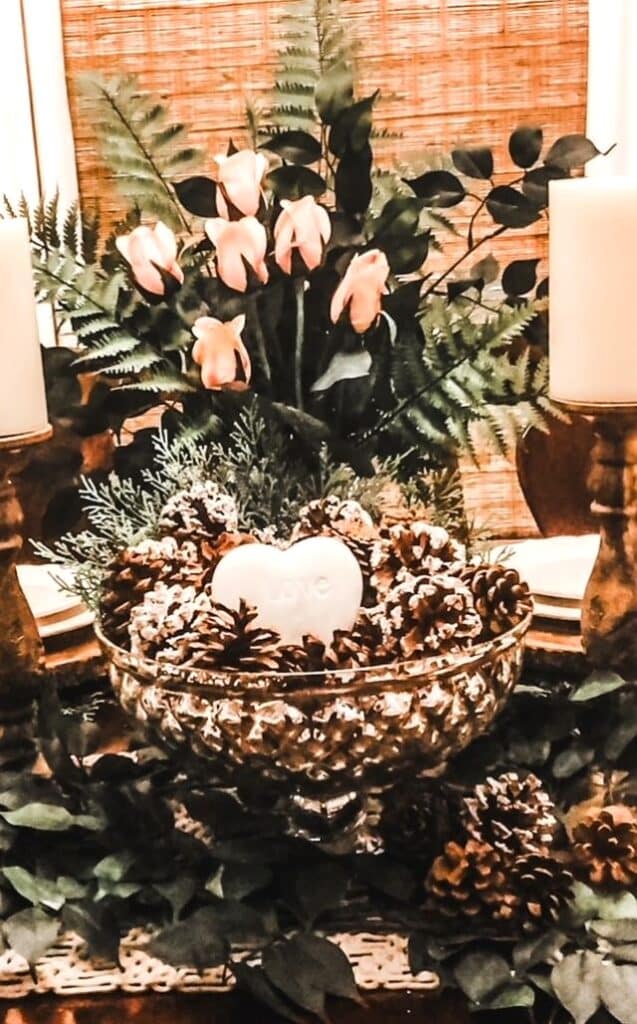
299, 295
259, 337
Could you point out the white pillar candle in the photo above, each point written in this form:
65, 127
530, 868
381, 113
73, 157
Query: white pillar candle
592, 263
22, 394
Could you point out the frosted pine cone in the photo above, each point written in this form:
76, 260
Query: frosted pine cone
429, 615
417, 548
329, 513
135, 571
501, 598
200, 513
227, 639
605, 846
212, 551
161, 627
512, 814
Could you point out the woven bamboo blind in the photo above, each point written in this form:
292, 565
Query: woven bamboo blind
451, 71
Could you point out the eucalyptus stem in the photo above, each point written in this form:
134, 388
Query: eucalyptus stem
299, 295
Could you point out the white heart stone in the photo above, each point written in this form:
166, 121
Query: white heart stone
316, 586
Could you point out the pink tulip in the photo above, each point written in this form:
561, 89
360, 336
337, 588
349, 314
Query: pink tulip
303, 225
146, 249
239, 178
236, 241
360, 290
220, 352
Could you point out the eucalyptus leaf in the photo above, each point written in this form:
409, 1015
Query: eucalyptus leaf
510, 997
525, 145
618, 986
571, 151
344, 366
623, 930
475, 163
50, 818
317, 888
480, 975
30, 933
538, 949
353, 181
97, 925
536, 183
293, 181
198, 195
196, 942
113, 867
286, 970
625, 952
572, 760
576, 982
511, 208
590, 903
328, 964
520, 277
298, 147
438, 188
255, 981
334, 91
352, 126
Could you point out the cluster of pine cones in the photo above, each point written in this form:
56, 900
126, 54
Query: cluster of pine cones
420, 597
491, 857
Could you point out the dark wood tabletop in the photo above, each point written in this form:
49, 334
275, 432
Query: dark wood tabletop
389, 1008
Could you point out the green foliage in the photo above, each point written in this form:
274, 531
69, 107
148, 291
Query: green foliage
143, 149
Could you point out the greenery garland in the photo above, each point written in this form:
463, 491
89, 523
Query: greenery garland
114, 858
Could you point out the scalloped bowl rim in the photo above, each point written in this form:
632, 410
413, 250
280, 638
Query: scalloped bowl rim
191, 679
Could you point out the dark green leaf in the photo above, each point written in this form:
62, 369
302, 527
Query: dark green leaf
475, 163
525, 145
618, 986
352, 126
398, 218
196, 942
254, 981
407, 256
520, 277
572, 760
293, 181
576, 981
198, 195
334, 91
49, 818
326, 961
33, 888
438, 188
597, 684
571, 151
513, 995
298, 147
97, 925
536, 183
285, 968
317, 888
353, 181
343, 366
177, 892
537, 950
30, 933
480, 975
457, 288
387, 876
589, 903
620, 737
511, 208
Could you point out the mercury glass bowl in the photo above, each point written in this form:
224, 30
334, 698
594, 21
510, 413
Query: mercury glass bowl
326, 742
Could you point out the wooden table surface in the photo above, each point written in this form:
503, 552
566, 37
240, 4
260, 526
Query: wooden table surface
395, 1008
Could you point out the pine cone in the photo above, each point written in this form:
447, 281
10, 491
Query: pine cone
501, 598
329, 513
349, 522
228, 639
199, 514
541, 887
308, 656
135, 572
430, 615
605, 846
416, 822
419, 549
161, 627
469, 881
512, 814
362, 646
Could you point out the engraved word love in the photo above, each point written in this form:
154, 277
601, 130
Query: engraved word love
316, 586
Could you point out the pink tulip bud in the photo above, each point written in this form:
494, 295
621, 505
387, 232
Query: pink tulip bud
360, 291
220, 352
146, 249
236, 241
302, 225
239, 179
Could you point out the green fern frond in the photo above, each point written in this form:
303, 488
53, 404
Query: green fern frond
140, 149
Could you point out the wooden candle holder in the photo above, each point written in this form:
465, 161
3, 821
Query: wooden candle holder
21, 651
609, 609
